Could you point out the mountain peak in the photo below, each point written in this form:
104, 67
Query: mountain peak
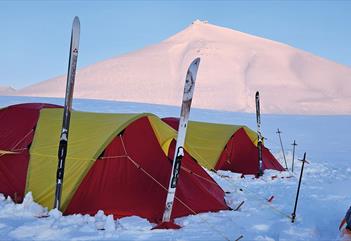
202, 30
198, 21
234, 65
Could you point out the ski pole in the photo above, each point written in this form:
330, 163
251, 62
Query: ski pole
293, 215
293, 158
281, 144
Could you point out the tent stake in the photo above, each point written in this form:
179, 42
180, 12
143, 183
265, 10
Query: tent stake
292, 164
281, 144
293, 215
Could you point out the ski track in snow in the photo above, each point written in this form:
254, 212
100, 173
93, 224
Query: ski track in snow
322, 203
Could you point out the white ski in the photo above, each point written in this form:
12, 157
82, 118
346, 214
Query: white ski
183, 123
62, 151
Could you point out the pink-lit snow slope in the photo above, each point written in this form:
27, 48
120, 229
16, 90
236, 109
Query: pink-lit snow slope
233, 67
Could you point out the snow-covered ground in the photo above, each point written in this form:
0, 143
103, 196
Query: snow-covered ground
323, 201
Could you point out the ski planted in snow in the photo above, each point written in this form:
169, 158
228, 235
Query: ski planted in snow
183, 123
259, 135
62, 151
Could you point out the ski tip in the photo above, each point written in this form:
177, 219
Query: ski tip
76, 19
75, 34
196, 61
257, 93
76, 22
192, 71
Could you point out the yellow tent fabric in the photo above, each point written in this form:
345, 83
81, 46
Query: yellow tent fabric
89, 135
164, 133
251, 134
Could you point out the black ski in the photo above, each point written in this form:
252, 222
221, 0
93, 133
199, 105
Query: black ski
259, 135
62, 151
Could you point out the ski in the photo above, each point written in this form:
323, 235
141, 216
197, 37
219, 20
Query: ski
62, 150
183, 123
259, 135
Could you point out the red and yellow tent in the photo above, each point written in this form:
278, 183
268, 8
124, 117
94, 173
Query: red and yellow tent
115, 163
225, 147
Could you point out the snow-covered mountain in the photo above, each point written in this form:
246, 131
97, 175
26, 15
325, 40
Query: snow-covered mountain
233, 67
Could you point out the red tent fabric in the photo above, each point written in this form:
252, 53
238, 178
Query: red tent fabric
239, 154
131, 178
17, 124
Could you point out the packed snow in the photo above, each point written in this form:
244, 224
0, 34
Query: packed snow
324, 196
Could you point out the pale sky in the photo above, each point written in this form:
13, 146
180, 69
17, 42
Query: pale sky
35, 35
